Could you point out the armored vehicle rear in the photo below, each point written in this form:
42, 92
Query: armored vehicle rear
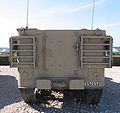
61, 59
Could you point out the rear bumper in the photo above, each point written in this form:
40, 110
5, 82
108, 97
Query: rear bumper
72, 85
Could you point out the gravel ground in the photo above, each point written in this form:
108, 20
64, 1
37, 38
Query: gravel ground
11, 100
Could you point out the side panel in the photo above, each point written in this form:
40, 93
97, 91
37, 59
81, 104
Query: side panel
95, 78
26, 78
23, 56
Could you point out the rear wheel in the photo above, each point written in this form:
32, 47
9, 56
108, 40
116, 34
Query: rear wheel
28, 95
91, 96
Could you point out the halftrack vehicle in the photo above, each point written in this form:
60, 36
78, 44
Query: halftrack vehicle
61, 59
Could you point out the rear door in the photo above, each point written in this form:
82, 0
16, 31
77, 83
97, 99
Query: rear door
61, 53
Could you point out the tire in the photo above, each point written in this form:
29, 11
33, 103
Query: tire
72, 94
97, 97
28, 95
91, 96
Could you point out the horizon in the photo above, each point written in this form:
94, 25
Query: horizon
64, 14
8, 47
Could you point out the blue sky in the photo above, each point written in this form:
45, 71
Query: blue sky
59, 14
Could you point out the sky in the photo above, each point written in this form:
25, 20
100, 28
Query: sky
59, 14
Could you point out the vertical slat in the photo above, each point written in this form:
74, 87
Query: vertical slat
44, 51
11, 58
34, 51
81, 52
110, 48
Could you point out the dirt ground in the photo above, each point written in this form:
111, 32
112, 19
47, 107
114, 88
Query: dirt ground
11, 100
